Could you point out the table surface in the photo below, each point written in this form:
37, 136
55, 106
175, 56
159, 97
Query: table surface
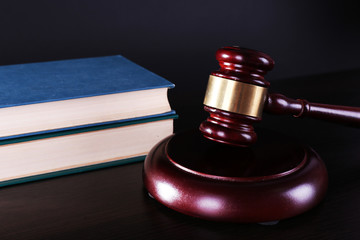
113, 204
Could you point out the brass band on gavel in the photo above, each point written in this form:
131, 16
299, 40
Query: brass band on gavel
234, 96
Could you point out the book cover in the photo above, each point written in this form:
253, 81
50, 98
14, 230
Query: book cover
84, 128
37, 98
56, 154
31, 83
90, 128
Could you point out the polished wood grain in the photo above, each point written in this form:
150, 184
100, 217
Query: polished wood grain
112, 203
275, 179
229, 128
243, 65
281, 105
250, 66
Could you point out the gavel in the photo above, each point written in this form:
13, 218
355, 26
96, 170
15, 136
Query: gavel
278, 177
237, 94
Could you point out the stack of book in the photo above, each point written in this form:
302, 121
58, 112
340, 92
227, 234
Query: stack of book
69, 116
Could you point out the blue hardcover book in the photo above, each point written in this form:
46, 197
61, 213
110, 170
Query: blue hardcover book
59, 95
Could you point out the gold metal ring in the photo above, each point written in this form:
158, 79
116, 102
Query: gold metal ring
234, 96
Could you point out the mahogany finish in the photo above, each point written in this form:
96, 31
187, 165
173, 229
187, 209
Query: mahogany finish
243, 65
250, 66
275, 179
279, 104
242, 180
229, 128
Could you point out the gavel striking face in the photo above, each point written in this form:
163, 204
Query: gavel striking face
237, 94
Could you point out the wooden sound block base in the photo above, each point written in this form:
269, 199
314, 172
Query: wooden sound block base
275, 179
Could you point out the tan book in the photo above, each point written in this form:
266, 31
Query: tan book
55, 154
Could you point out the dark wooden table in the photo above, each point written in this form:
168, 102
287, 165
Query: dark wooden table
112, 203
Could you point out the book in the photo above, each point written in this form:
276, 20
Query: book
70, 116
37, 98
71, 151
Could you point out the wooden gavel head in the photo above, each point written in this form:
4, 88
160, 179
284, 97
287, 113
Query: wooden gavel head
236, 95
282, 173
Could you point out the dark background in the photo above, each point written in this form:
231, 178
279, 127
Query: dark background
169, 37
178, 39
316, 47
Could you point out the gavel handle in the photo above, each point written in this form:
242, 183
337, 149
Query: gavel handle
279, 104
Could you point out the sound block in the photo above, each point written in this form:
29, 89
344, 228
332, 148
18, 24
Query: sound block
276, 178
